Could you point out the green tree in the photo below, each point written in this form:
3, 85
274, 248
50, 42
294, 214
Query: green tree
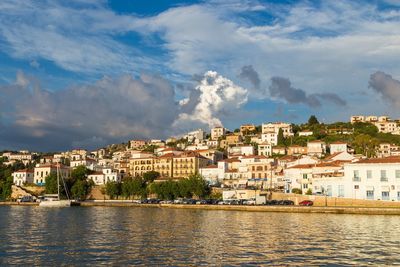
150, 176
113, 189
6, 188
80, 189
309, 192
80, 173
281, 138
51, 185
313, 120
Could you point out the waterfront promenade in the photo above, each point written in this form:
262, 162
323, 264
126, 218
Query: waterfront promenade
261, 208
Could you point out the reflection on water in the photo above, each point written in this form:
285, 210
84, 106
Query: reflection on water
155, 236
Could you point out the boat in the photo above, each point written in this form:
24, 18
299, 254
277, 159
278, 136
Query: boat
54, 200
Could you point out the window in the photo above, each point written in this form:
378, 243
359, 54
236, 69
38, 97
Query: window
370, 194
304, 175
356, 176
329, 190
397, 174
385, 195
383, 176
369, 174
341, 190
356, 187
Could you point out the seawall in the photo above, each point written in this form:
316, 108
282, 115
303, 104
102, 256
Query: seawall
288, 209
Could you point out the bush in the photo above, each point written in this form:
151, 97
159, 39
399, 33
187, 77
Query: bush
297, 191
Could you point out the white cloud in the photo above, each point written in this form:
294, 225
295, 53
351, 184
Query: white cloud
217, 96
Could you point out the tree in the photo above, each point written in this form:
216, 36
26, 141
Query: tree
80, 189
80, 173
309, 192
133, 187
6, 188
150, 176
113, 189
51, 185
313, 120
281, 138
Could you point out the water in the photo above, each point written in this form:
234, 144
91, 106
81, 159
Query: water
154, 236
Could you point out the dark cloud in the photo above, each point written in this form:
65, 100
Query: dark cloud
282, 88
248, 73
386, 86
111, 110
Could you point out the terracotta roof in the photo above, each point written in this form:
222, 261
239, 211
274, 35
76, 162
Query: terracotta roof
392, 159
210, 167
231, 160
52, 166
232, 171
332, 155
316, 141
309, 166
168, 155
25, 170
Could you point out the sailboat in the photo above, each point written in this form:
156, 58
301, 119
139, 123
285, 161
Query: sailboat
53, 200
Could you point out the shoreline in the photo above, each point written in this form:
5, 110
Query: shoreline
284, 209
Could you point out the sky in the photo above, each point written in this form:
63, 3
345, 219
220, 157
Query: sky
87, 73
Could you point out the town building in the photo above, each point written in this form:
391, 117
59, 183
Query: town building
42, 171
23, 177
337, 147
217, 132
247, 129
264, 149
369, 179
316, 148
276, 126
297, 150
136, 144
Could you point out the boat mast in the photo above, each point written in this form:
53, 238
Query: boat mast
58, 181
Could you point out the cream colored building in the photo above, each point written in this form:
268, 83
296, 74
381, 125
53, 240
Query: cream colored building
264, 149
42, 171
188, 164
276, 126
22, 177
217, 132
163, 165
139, 166
247, 129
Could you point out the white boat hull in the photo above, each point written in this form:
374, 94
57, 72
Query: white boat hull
55, 203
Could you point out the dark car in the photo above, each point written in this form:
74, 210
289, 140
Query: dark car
306, 203
286, 202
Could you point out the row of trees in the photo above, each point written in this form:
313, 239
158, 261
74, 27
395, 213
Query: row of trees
141, 187
77, 185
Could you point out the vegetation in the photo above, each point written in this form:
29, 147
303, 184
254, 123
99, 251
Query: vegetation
150, 176
113, 189
6, 179
297, 191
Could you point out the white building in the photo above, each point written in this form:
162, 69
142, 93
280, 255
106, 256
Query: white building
271, 138
246, 150
22, 177
274, 128
305, 133
374, 179
42, 171
195, 136
217, 132
104, 176
337, 147
316, 148
264, 149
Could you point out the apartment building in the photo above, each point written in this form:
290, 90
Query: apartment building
42, 171
276, 126
217, 132
22, 177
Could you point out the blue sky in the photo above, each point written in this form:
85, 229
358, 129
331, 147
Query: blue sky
86, 73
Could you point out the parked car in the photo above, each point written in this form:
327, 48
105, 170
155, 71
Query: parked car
178, 201
306, 203
26, 199
201, 202
271, 202
251, 201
